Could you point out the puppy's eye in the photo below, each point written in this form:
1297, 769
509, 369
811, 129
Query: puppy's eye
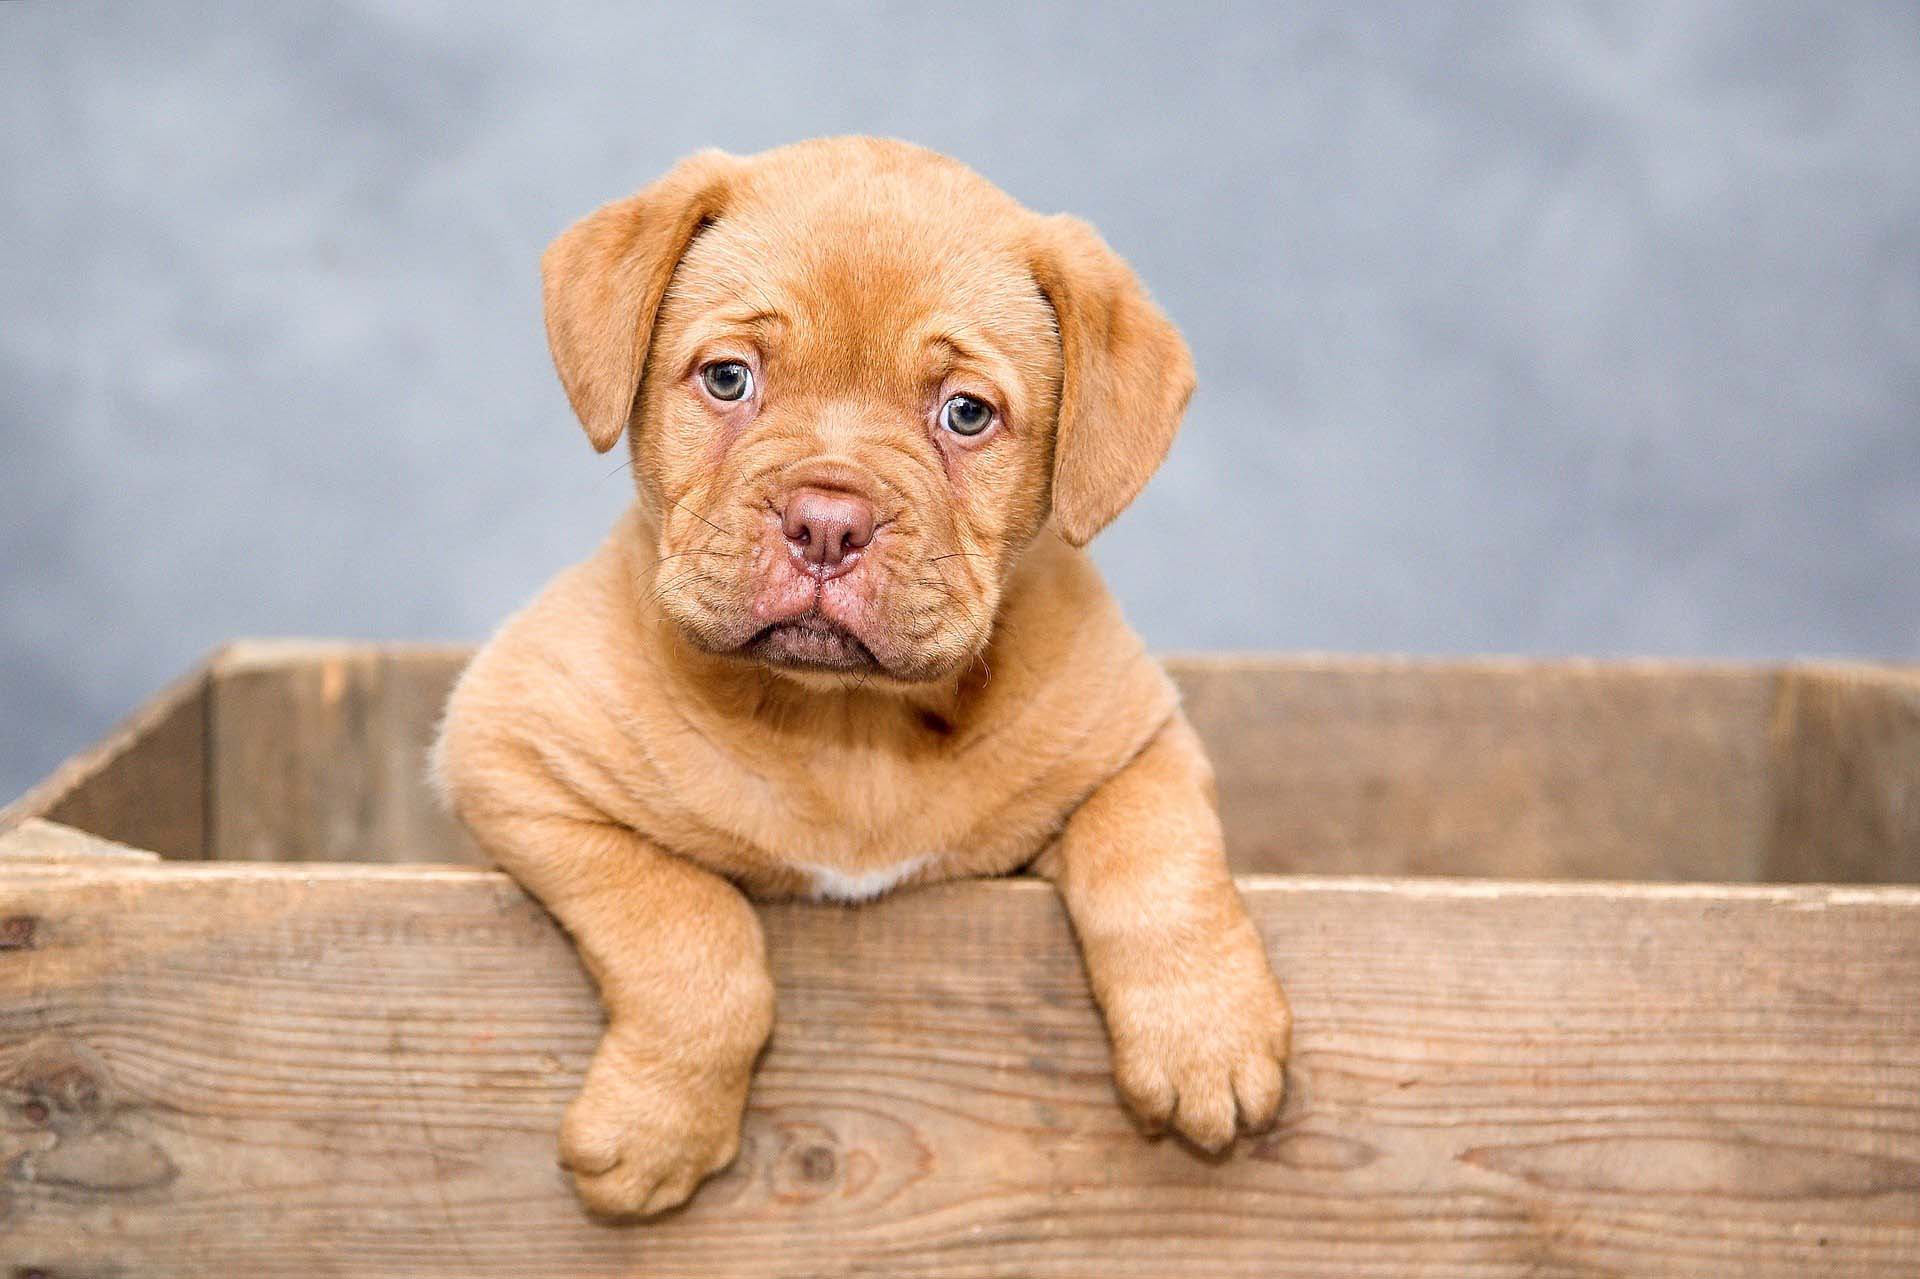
727, 380
964, 415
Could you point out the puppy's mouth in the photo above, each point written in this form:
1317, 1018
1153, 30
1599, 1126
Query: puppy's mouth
811, 642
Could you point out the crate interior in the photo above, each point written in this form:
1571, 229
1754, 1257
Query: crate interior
305, 752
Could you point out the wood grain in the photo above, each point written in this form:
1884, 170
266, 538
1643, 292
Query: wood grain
321, 753
1847, 790
1537, 770
50, 843
145, 784
303, 750
299, 1071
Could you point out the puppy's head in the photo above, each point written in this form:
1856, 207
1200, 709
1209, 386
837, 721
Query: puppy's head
857, 380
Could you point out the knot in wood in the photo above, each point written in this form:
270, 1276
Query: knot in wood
811, 1163
17, 932
60, 1083
819, 1163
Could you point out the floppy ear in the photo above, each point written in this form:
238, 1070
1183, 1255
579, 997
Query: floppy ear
1125, 382
603, 280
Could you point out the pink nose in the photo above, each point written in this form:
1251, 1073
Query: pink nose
826, 526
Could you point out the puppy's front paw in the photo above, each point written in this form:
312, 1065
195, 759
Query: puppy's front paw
1204, 1055
645, 1131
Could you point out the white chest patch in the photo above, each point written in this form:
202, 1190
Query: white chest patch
861, 886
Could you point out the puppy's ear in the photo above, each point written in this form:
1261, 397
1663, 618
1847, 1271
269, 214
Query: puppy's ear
604, 278
1126, 380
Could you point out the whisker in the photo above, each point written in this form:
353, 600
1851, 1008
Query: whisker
944, 588
696, 515
935, 564
660, 589
729, 555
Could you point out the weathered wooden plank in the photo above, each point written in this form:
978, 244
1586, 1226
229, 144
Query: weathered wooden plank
144, 785
321, 753
358, 1071
1847, 768
1537, 770
302, 751
37, 841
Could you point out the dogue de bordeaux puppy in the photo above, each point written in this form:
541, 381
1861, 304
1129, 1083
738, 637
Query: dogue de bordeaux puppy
846, 640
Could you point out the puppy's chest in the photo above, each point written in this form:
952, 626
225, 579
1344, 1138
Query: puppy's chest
826, 880
858, 836
856, 825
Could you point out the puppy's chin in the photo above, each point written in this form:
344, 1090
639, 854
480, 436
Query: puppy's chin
816, 653
812, 643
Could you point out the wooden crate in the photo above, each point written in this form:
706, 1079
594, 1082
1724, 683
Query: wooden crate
265, 1052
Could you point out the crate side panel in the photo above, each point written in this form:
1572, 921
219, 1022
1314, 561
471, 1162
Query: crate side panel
320, 754
300, 1071
144, 785
1550, 770
1847, 766
1530, 770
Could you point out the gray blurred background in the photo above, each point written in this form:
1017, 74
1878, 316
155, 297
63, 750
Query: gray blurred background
1524, 328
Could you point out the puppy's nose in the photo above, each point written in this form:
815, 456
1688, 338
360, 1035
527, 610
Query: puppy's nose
826, 526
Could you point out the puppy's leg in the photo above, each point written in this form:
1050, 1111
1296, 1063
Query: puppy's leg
1198, 1022
681, 964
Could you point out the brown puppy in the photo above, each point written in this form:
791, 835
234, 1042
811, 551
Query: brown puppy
845, 639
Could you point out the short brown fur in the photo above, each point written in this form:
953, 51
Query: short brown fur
665, 730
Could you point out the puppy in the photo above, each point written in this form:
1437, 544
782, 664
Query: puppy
845, 639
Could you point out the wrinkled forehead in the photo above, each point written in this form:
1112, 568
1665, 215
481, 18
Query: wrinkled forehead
853, 277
